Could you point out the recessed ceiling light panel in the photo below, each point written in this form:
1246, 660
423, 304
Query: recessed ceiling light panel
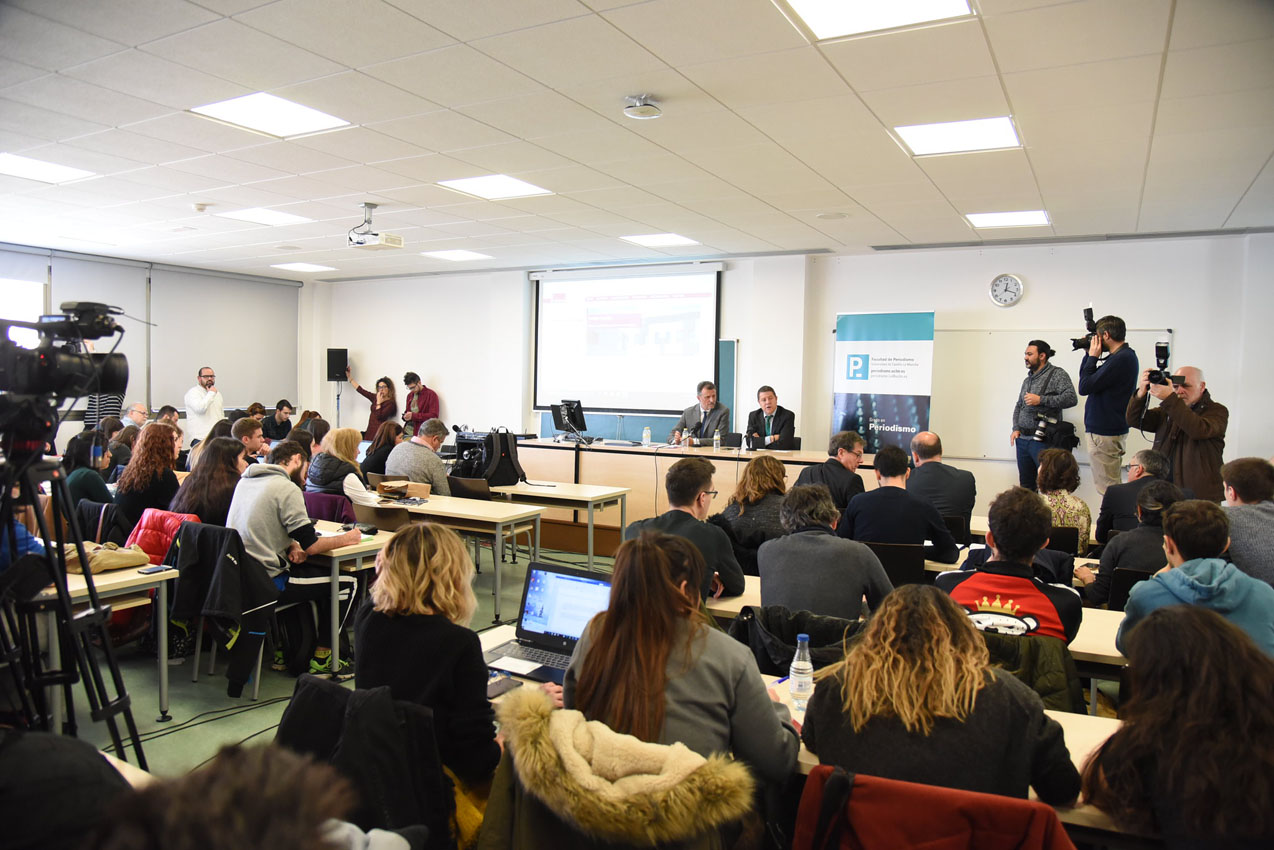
261, 215
659, 240
271, 115
456, 256
494, 187
38, 169
980, 134
302, 267
1024, 218
837, 18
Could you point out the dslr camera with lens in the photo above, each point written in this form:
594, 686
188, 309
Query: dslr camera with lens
1160, 375
1081, 343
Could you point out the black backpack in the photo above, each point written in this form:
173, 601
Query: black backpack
502, 459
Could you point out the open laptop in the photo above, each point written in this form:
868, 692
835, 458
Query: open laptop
557, 603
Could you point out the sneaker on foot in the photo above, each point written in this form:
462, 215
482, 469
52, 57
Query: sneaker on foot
321, 665
279, 664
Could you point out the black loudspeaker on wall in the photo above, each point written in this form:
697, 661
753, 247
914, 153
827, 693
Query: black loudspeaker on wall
337, 360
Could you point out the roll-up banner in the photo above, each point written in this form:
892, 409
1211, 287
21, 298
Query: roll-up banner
883, 376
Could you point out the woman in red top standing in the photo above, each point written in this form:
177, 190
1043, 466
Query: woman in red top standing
384, 403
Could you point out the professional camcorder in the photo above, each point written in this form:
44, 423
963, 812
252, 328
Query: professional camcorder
63, 370
1082, 343
1160, 375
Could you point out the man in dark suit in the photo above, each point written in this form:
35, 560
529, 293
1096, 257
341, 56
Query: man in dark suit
889, 514
700, 421
839, 473
1119, 505
951, 491
689, 488
771, 426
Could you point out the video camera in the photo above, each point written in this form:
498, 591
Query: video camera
1160, 375
1082, 343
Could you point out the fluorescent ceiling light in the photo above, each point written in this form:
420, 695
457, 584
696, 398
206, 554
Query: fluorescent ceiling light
981, 134
456, 256
261, 215
36, 169
659, 240
494, 187
836, 18
302, 267
1025, 218
271, 115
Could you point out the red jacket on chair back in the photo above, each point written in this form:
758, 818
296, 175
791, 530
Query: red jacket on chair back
155, 531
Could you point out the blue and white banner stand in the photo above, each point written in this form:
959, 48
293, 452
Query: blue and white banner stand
882, 376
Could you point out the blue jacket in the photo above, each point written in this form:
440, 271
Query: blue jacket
26, 544
1213, 583
1108, 389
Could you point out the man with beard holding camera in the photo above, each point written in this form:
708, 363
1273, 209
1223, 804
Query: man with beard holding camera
1107, 385
1189, 428
1046, 391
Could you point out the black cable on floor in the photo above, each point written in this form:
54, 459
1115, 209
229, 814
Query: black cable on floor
237, 743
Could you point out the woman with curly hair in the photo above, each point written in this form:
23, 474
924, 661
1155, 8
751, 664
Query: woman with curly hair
753, 511
1058, 480
1193, 760
208, 490
412, 634
916, 699
384, 402
148, 480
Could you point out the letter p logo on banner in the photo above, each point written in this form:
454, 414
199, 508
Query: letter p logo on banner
859, 366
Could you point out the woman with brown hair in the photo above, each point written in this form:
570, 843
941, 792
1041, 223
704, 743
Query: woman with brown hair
220, 428
916, 699
121, 448
256, 410
384, 403
753, 511
1194, 758
1058, 479
208, 490
389, 435
148, 480
651, 666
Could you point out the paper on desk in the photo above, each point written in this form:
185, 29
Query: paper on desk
514, 665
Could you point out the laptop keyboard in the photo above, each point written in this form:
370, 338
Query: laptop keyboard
540, 656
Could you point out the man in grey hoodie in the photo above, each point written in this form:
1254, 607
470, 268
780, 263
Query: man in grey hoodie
1195, 534
1248, 484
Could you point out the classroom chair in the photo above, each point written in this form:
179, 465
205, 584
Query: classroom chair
386, 519
904, 563
959, 529
1064, 538
1121, 584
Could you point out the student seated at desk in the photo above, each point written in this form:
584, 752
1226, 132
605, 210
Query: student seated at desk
889, 514
651, 666
1058, 479
1194, 758
916, 699
330, 468
1139, 549
389, 435
413, 635
208, 491
84, 478
148, 480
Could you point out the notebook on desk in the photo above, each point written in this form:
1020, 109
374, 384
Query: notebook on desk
557, 603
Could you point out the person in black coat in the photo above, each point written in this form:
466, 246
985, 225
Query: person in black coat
889, 514
771, 426
389, 435
951, 491
1140, 548
329, 468
1119, 505
839, 473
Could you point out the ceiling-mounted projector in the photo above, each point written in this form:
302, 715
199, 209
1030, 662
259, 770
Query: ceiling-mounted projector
369, 240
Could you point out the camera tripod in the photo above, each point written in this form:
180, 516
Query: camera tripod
22, 603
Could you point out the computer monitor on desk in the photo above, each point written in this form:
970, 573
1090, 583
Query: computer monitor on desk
568, 416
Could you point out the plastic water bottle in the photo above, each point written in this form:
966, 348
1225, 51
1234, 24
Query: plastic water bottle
800, 681
645, 436
716, 440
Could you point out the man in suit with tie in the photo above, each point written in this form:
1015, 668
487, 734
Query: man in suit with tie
1119, 505
772, 426
700, 421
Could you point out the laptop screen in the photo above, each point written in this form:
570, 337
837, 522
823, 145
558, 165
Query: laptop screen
558, 602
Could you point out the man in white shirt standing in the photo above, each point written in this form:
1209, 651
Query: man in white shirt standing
204, 405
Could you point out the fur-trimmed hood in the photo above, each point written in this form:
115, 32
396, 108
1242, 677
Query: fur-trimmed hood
616, 787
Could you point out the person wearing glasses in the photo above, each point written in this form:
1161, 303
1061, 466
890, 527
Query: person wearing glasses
839, 473
204, 405
690, 494
384, 403
1119, 506
136, 414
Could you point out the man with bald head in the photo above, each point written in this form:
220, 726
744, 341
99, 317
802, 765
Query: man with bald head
952, 491
1189, 428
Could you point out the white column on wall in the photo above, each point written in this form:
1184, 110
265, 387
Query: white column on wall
1250, 399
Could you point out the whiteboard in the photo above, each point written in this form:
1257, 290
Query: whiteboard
977, 374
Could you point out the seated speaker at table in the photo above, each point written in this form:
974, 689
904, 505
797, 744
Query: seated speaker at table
771, 426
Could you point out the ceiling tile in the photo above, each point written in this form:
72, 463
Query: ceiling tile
433, 167
46, 44
612, 144
290, 157
1256, 209
34, 121
675, 94
674, 30
1229, 110
567, 51
362, 178
1223, 68
359, 144
356, 97
1086, 31
429, 195
1114, 81
186, 128
77, 157
453, 76
474, 19
442, 131
574, 180
227, 169
237, 52
912, 57
781, 77
126, 21
135, 73
1201, 23
684, 133
352, 32
511, 156
12, 73
544, 113
954, 100
1089, 221
168, 181
84, 100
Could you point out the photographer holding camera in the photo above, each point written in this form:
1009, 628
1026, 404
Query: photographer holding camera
1107, 386
1046, 391
1189, 427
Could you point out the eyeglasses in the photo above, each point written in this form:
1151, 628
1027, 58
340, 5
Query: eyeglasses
207, 376
712, 494
857, 454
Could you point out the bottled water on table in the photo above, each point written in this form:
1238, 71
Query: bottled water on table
800, 681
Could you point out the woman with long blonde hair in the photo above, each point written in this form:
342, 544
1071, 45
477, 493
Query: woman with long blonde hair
329, 468
413, 635
916, 699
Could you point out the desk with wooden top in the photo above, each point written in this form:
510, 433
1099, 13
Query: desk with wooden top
129, 588
978, 525
589, 497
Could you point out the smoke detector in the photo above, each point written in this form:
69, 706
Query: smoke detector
641, 107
